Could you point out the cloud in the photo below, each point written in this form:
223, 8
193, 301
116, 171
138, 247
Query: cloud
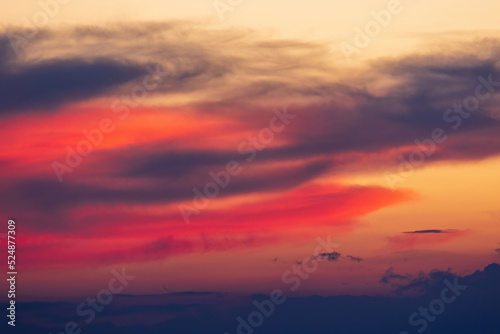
428, 231
351, 114
194, 312
333, 256
270, 220
423, 238
165, 191
390, 276
48, 85
360, 124
432, 282
414, 283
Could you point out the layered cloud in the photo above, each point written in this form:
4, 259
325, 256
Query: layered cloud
49, 84
214, 107
280, 218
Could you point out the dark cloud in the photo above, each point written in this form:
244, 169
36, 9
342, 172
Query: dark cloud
390, 276
60, 196
424, 282
354, 258
6, 51
333, 256
175, 164
403, 114
226, 78
418, 283
428, 231
50, 84
475, 310
416, 239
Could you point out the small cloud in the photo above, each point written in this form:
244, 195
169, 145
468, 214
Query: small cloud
354, 258
429, 231
420, 282
389, 276
333, 256
423, 238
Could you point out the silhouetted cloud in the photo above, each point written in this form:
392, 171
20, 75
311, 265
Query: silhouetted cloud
419, 283
390, 276
354, 258
428, 231
416, 239
333, 256
474, 311
50, 84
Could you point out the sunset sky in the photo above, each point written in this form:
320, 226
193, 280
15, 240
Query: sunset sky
212, 145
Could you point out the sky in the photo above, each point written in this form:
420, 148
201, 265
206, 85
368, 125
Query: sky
218, 150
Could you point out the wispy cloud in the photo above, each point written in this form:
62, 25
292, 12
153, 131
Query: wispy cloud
428, 231
423, 238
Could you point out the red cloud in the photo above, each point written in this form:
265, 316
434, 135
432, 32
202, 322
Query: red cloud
112, 237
